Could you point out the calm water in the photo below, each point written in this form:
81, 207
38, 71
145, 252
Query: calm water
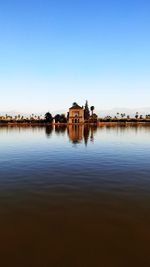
75, 196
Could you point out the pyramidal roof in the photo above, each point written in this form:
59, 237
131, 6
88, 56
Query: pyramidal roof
76, 106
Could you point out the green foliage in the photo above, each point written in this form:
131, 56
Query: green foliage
57, 118
48, 117
63, 119
92, 109
86, 111
93, 118
60, 118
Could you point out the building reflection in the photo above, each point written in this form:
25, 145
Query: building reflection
78, 133
75, 133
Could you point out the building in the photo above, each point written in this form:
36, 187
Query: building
76, 114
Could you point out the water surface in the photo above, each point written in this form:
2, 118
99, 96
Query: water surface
75, 196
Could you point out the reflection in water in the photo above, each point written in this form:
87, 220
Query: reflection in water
60, 129
49, 130
93, 131
78, 133
75, 133
86, 133
67, 207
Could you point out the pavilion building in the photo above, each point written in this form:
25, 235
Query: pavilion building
76, 114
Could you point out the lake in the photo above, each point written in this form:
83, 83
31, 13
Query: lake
75, 197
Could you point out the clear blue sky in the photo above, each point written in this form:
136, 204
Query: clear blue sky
55, 52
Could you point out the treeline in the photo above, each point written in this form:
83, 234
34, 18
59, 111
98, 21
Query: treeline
123, 117
89, 117
47, 118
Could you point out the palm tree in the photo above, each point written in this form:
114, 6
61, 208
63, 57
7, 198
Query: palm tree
92, 108
86, 111
117, 114
136, 115
123, 115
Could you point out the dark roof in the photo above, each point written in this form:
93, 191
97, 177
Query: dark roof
76, 106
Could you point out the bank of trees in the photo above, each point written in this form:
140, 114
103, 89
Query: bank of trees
89, 117
92, 118
122, 117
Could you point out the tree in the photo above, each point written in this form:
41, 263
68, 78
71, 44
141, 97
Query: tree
93, 118
123, 115
48, 117
60, 118
86, 111
92, 108
117, 114
136, 115
57, 118
63, 119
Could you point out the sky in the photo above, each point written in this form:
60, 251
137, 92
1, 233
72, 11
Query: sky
56, 52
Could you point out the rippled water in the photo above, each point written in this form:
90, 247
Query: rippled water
74, 196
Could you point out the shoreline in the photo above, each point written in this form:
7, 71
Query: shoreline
100, 123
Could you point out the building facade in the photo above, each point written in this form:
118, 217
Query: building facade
76, 114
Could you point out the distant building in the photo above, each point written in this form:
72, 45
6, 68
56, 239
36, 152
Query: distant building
76, 114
